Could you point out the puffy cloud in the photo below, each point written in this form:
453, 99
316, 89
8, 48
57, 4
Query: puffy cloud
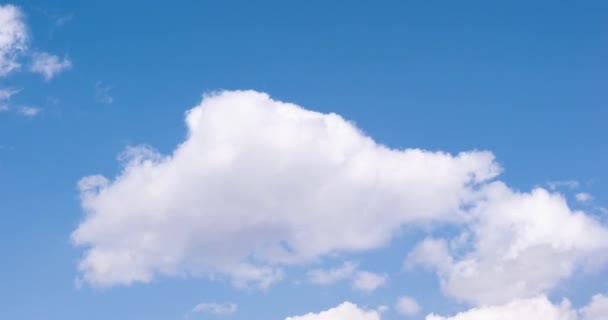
369, 281
521, 245
324, 277
538, 307
13, 38
345, 311
407, 306
215, 308
533, 308
259, 184
597, 309
48, 65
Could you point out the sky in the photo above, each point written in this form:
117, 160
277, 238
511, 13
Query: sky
303, 160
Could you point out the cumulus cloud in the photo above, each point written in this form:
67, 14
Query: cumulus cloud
522, 245
597, 309
539, 307
345, 311
215, 308
534, 308
49, 65
13, 38
259, 184
407, 306
369, 281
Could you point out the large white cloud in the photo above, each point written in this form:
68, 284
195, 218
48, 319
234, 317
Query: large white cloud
260, 183
345, 311
516, 245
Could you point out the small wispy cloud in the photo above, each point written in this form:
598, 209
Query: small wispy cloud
5, 96
7, 93
29, 111
102, 93
360, 280
583, 197
49, 65
325, 277
60, 20
214, 308
569, 184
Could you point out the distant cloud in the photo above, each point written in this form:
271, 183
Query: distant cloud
5, 96
215, 308
407, 306
29, 111
369, 281
49, 65
102, 93
361, 280
61, 20
583, 197
7, 93
325, 277
569, 184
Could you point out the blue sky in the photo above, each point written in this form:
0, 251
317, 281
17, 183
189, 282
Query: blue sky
523, 81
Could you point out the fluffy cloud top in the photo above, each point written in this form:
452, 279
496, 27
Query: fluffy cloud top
597, 309
345, 311
13, 38
535, 308
517, 245
526, 309
258, 184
